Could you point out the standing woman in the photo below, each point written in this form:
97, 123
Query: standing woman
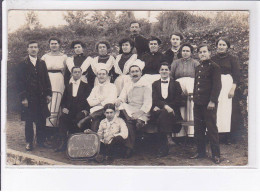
56, 63
123, 61
82, 61
229, 114
174, 52
183, 71
102, 47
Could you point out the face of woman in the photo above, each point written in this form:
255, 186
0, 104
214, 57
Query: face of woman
153, 46
54, 45
126, 47
186, 52
78, 49
102, 49
222, 46
175, 41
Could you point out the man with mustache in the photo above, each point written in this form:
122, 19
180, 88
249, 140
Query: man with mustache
140, 42
135, 102
34, 89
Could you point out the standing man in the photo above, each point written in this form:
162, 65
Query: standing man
74, 106
140, 42
135, 102
207, 88
34, 89
166, 107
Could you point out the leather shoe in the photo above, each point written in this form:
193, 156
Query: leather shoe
29, 147
216, 160
197, 155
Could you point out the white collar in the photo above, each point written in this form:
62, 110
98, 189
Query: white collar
74, 82
114, 120
32, 58
168, 79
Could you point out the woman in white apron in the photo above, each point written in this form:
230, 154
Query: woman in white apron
123, 61
229, 118
56, 62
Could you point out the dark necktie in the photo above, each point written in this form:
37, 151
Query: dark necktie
164, 82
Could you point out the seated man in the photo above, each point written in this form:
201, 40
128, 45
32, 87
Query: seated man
135, 102
74, 106
103, 93
166, 111
112, 131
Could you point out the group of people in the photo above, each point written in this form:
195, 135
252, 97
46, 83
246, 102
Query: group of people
117, 97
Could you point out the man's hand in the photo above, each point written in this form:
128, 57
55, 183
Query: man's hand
48, 99
156, 109
211, 106
118, 102
65, 111
231, 93
25, 102
85, 112
137, 114
169, 109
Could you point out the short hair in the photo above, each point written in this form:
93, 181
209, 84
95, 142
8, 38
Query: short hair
109, 106
224, 39
188, 45
134, 22
177, 34
134, 66
124, 40
77, 42
102, 42
103, 69
203, 45
154, 38
165, 63
32, 42
76, 67
54, 38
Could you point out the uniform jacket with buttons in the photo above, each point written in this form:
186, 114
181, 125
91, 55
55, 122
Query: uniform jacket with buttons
207, 83
33, 81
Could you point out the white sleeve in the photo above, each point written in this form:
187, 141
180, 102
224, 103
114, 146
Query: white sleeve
92, 99
85, 65
123, 129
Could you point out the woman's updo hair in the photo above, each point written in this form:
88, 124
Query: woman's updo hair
124, 40
54, 38
224, 39
188, 45
103, 42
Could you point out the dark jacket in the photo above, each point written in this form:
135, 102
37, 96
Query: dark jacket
141, 45
80, 101
169, 56
152, 62
207, 84
33, 84
174, 96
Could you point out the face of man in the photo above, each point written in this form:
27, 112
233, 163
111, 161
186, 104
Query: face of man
186, 52
164, 71
76, 73
204, 53
126, 47
135, 28
102, 49
110, 114
54, 45
33, 49
102, 76
222, 47
175, 41
135, 73
78, 49
153, 46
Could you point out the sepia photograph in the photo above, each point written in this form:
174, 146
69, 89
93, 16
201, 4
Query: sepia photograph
127, 88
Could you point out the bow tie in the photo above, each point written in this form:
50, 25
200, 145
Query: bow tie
164, 82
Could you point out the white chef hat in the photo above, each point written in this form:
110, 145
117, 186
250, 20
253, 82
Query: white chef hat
138, 63
101, 66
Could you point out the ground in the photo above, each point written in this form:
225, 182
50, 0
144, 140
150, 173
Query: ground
145, 154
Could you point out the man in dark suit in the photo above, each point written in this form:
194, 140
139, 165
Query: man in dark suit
35, 93
140, 42
74, 106
207, 86
165, 113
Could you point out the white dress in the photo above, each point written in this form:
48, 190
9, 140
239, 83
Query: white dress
56, 66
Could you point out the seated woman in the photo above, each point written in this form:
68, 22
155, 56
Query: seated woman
229, 118
123, 62
104, 58
183, 71
82, 61
112, 132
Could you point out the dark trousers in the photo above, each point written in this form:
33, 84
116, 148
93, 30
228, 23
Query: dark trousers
204, 118
162, 142
97, 117
107, 149
40, 130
